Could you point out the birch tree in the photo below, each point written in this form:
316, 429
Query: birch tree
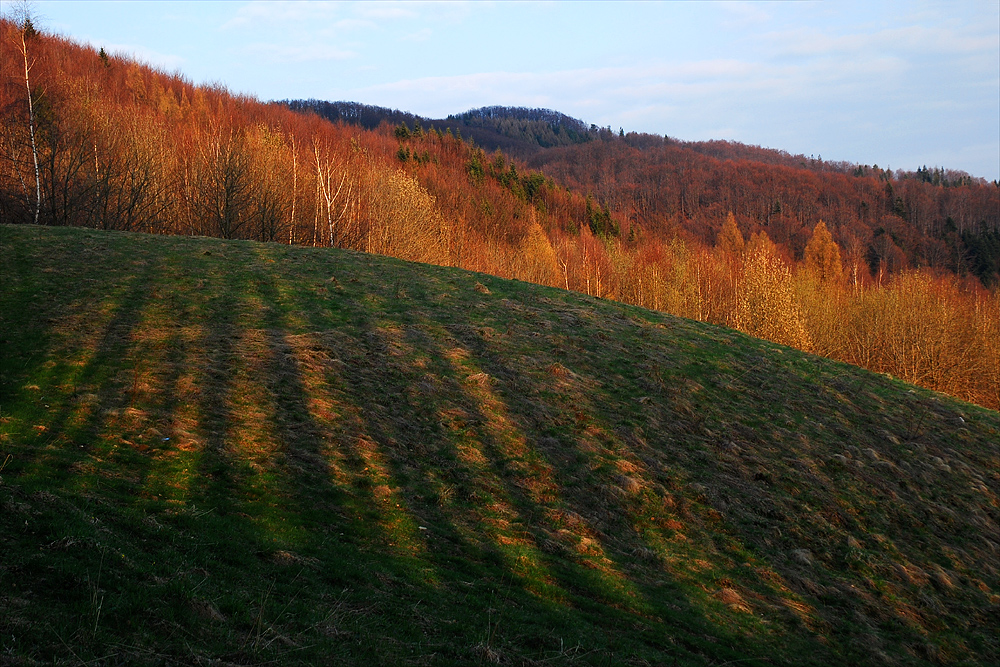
26, 31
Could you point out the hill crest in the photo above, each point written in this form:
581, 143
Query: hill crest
243, 451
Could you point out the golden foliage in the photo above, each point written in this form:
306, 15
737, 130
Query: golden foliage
730, 239
822, 306
404, 221
822, 256
765, 300
535, 260
927, 332
665, 278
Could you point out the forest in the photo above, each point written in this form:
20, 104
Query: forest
894, 271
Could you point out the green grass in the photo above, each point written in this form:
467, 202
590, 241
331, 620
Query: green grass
256, 454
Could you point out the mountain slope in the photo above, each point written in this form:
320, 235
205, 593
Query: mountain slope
517, 131
940, 218
244, 452
524, 132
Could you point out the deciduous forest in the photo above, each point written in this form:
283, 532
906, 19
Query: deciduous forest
897, 272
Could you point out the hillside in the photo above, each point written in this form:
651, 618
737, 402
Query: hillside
894, 273
524, 133
938, 218
516, 131
228, 452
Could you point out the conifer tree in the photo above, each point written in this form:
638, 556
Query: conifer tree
822, 257
730, 239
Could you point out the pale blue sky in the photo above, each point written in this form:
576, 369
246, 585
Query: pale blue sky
900, 84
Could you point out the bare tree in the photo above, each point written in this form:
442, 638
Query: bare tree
129, 179
295, 183
22, 15
222, 187
333, 197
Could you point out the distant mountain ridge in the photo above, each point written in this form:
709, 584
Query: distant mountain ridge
519, 131
525, 132
355, 113
542, 127
569, 151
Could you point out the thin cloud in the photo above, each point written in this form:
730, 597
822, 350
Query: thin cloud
436, 11
918, 40
299, 54
419, 36
269, 12
377, 11
354, 24
744, 14
609, 86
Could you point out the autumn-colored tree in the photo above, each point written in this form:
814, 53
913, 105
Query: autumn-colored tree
129, 172
730, 240
765, 301
338, 185
917, 329
820, 295
822, 256
228, 187
271, 192
535, 258
405, 221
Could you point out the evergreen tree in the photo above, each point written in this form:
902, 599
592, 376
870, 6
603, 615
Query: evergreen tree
822, 258
730, 239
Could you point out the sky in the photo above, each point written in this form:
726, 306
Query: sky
898, 84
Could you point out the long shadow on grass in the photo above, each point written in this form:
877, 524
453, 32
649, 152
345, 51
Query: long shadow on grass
202, 485
704, 464
409, 435
226, 390
384, 444
633, 530
85, 454
24, 329
353, 441
77, 437
293, 497
600, 572
221, 330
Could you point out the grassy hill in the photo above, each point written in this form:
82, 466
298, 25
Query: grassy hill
226, 452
